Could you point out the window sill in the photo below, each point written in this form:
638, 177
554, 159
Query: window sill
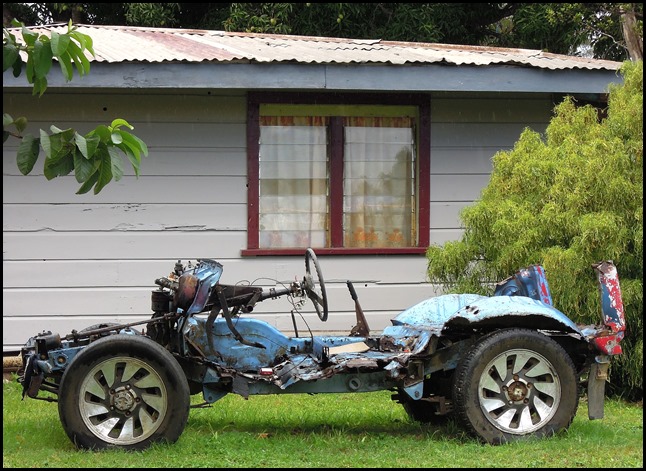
336, 251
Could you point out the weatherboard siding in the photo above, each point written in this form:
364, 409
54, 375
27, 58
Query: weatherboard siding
70, 261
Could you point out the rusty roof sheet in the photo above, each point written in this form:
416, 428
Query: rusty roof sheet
113, 44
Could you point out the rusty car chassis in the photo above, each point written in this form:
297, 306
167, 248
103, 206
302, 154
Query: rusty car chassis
507, 366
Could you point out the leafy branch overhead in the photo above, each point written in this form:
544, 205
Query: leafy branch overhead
96, 157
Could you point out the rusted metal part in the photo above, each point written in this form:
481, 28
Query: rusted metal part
11, 364
543, 287
405, 339
227, 316
506, 311
119, 44
443, 406
530, 282
361, 329
612, 308
77, 335
208, 272
160, 301
448, 357
308, 369
596, 387
434, 312
185, 293
438, 314
609, 344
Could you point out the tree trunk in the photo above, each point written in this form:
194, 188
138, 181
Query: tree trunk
634, 42
7, 16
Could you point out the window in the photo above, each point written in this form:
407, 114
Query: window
342, 178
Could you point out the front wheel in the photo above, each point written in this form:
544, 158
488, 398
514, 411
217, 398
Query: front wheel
515, 383
123, 391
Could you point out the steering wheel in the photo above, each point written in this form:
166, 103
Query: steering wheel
314, 285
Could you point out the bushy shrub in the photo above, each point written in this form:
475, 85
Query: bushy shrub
565, 200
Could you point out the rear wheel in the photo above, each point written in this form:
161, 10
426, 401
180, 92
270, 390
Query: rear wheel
515, 383
123, 391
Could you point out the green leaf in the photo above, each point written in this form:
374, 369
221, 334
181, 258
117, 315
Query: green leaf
81, 62
105, 173
45, 143
27, 154
93, 143
7, 120
85, 41
42, 57
21, 124
134, 142
133, 147
63, 165
102, 131
9, 56
81, 144
116, 137
80, 38
29, 37
29, 69
60, 43
127, 146
135, 160
66, 134
117, 123
117, 164
17, 67
50, 168
89, 183
55, 148
5, 136
60, 150
65, 61
40, 85
83, 168
10, 38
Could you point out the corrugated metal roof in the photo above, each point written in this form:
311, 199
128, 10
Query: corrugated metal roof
114, 44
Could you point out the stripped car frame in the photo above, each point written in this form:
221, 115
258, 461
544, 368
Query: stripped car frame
507, 366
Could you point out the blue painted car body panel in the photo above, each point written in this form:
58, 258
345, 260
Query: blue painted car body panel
436, 314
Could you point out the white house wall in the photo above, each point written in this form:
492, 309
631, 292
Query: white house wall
70, 261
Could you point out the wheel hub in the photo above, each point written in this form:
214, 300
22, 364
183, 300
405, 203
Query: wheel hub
123, 399
517, 391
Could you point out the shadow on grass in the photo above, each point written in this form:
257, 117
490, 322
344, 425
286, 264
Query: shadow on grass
448, 431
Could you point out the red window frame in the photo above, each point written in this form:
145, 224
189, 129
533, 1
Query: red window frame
255, 99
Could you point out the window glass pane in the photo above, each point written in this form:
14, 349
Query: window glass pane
378, 185
293, 209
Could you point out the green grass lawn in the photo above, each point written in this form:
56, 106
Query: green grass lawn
365, 430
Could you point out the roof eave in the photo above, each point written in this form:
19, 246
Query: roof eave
333, 77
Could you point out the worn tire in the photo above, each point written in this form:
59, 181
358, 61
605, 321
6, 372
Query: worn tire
514, 384
123, 391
